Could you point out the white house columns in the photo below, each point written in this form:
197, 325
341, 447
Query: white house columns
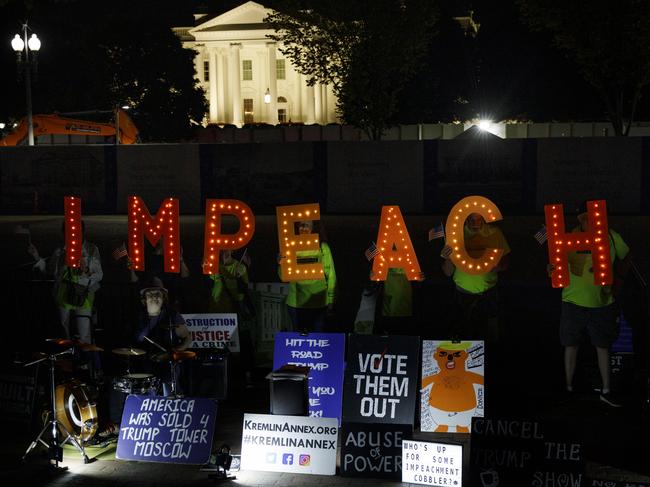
273, 84
213, 89
234, 68
221, 87
310, 113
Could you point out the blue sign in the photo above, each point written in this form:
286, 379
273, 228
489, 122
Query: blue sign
168, 430
324, 354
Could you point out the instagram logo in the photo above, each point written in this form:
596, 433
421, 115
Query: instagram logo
287, 459
304, 460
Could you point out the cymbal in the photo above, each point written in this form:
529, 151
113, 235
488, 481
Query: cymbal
129, 351
61, 342
176, 356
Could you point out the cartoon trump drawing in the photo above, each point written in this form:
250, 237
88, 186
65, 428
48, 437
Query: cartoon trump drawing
453, 397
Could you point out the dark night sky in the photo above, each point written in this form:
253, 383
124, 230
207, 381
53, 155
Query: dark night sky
516, 73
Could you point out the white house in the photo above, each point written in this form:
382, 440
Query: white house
246, 78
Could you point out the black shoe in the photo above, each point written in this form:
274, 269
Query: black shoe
111, 430
611, 400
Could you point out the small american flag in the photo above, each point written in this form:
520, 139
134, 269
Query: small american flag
437, 232
372, 251
120, 252
540, 236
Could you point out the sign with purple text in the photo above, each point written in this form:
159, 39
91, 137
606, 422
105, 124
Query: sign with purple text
451, 392
324, 354
213, 330
166, 430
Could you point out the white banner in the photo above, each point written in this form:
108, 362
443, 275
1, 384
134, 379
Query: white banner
213, 330
293, 444
438, 464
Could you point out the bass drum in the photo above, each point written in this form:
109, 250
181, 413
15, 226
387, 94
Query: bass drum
76, 410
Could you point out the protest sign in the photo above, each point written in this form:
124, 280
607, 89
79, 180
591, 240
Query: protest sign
373, 450
452, 385
294, 444
323, 353
525, 452
380, 379
213, 330
433, 464
167, 430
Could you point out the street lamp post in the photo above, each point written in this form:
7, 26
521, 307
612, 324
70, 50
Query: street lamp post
23, 46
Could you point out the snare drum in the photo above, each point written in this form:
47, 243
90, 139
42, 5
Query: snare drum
136, 383
76, 410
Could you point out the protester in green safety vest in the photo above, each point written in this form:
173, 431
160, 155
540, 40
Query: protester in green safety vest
228, 286
396, 304
589, 310
309, 301
475, 313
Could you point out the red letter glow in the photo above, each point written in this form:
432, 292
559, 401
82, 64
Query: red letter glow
560, 243
73, 231
165, 223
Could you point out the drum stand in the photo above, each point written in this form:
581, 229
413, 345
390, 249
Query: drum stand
54, 447
172, 365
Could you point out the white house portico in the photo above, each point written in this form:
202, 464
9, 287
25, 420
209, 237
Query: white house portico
246, 78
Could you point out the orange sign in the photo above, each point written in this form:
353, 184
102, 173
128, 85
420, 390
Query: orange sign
291, 243
395, 247
214, 241
455, 235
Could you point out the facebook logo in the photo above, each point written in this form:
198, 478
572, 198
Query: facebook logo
287, 459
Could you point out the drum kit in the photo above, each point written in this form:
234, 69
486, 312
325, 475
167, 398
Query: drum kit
72, 417
75, 419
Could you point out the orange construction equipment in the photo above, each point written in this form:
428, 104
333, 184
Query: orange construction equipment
57, 129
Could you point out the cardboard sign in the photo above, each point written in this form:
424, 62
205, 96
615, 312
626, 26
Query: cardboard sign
373, 450
324, 354
380, 379
293, 444
452, 385
525, 452
166, 430
17, 389
213, 330
433, 464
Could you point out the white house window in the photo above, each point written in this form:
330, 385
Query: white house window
247, 69
280, 71
249, 115
206, 71
282, 109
